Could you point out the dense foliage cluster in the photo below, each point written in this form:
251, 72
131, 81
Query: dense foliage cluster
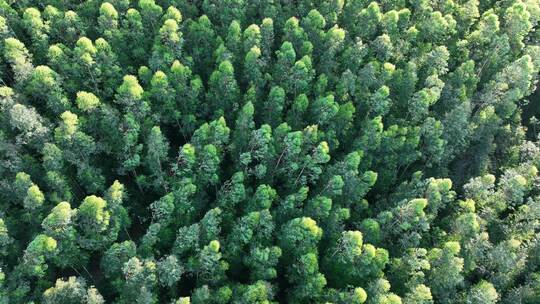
269, 151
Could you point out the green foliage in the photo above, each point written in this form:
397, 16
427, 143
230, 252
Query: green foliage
72, 291
261, 151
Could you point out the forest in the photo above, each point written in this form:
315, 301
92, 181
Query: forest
269, 151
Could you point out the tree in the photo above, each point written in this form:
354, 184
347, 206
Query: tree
140, 281
518, 24
445, 277
259, 292
301, 75
323, 109
223, 91
87, 60
296, 35
64, 25
257, 161
150, 13
267, 38
209, 266
169, 271
108, 21
483, 292
186, 104
420, 294
423, 99
299, 235
130, 96
156, 155
133, 34
313, 24
34, 198
109, 70
369, 16
78, 148
87, 101
187, 240
29, 196
286, 57
353, 295
262, 151
37, 30
301, 156
244, 125
408, 274
408, 220
333, 44
18, 57
379, 292
200, 43
274, 105
98, 227
262, 262
231, 194
353, 262
254, 67
233, 41
205, 294
5, 239
72, 291
130, 154
318, 207
307, 281
355, 182
224, 13
4, 34
295, 116
34, 260
44, 85
167, 47
114, 259
60, 224
254, 227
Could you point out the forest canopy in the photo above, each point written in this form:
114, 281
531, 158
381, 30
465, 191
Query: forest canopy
269, 151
